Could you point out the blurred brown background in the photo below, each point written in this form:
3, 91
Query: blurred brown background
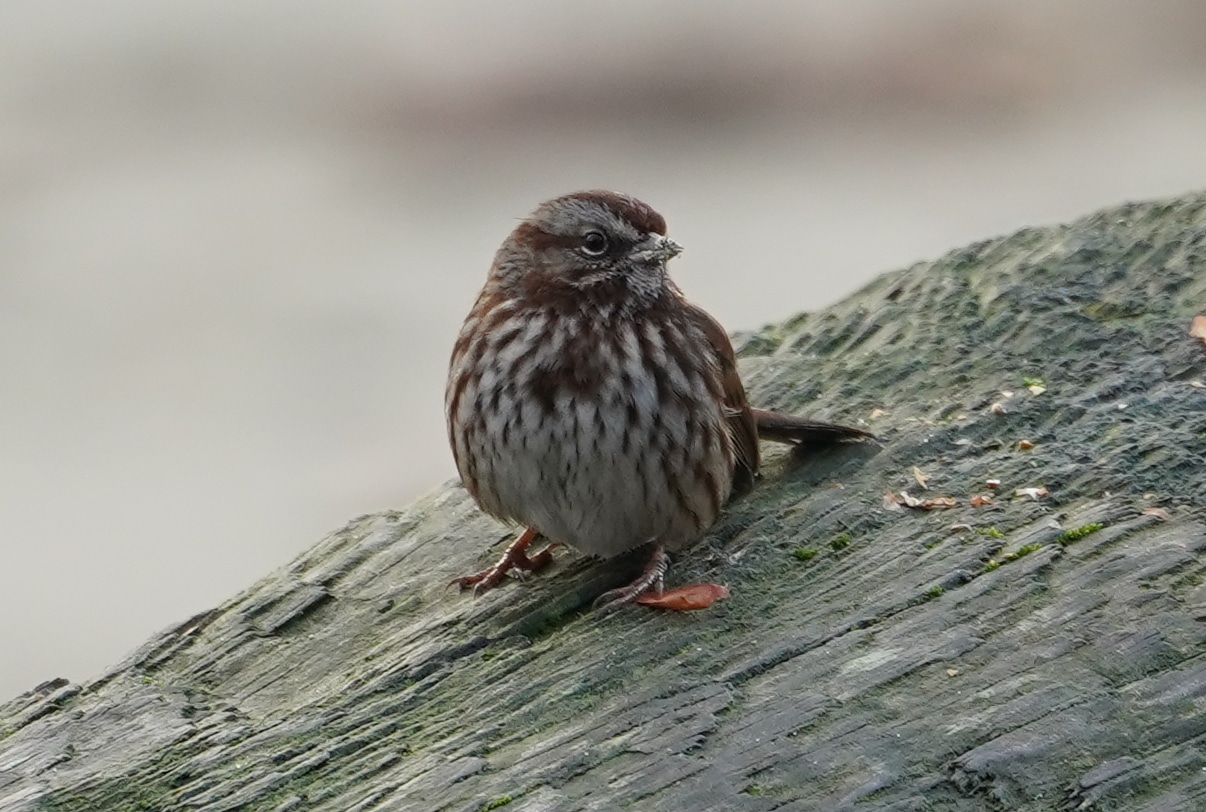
237, 238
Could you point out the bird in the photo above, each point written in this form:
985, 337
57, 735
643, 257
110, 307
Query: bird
591, 404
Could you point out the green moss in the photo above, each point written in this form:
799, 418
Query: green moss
1109, 311
992, 532
804, 553
930, 594
991, 564
1189, 581
931, 544
1028, 381
1020, 552
501, 800
1077, 533
841, 542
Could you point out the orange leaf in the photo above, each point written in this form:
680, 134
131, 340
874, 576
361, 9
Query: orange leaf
684, 598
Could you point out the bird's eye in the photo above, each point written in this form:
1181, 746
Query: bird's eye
594, 243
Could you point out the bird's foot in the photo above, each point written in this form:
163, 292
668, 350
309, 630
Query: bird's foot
515, 558
651, 579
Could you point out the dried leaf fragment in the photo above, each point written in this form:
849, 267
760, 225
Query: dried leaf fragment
920, 477
1197, 327
1025, 445
1032, 493
1159, 512
992, 483
685, 598
877, 412
980, 501
933, 503
952, 672
1036, 388
997, 408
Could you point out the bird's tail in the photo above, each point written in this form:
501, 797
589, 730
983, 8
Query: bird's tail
787, 428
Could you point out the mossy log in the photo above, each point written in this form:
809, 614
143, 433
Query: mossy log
1040, 652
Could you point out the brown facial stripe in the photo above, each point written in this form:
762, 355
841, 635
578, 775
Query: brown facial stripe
643, 218
531, 236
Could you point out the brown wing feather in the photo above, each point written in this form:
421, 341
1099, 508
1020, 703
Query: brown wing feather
742, 426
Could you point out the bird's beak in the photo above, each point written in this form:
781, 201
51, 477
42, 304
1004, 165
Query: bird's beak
658, 250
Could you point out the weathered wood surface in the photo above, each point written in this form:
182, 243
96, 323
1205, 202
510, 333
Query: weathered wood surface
895, 669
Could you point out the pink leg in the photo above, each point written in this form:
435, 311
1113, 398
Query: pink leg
516, 557
652, 578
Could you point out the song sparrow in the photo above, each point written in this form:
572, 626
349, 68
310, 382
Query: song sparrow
591, 403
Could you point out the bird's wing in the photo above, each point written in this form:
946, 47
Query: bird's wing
742, 426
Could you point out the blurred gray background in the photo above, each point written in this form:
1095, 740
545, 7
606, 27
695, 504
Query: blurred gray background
237, 237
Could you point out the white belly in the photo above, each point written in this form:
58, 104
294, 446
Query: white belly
603, 470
